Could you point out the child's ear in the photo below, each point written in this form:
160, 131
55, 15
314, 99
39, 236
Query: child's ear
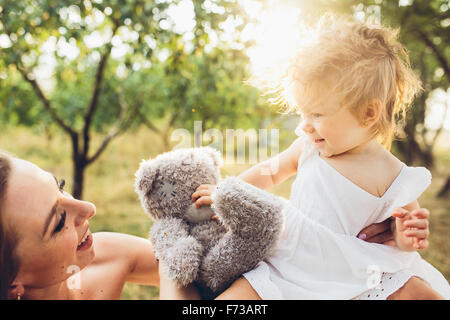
373, 112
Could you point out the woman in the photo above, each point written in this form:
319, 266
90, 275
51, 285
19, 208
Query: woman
48, 252
45, 238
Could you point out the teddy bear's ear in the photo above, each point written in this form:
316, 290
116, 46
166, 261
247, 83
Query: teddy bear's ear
215, 155
145, 177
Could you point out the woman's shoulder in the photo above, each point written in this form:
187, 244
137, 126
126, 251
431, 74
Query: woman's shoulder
105, 276
123, 251
111, 246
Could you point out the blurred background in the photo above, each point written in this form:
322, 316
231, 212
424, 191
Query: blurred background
89, 88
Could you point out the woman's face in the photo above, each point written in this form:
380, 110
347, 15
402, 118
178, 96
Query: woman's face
50, 226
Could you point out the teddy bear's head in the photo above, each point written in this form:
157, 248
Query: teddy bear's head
166, 183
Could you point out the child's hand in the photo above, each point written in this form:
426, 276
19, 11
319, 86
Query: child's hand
411, 229
202, 196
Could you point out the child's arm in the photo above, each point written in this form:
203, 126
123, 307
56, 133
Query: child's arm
411, 227
275, 170
263, 175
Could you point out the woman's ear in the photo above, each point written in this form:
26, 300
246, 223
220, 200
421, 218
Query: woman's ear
16, 291
373, 113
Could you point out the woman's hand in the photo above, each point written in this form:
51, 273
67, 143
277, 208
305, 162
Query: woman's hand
411, 229
379, 233
407, 230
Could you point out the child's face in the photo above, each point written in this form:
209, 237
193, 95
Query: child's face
334, 129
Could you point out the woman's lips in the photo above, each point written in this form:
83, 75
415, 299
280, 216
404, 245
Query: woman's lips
87, 243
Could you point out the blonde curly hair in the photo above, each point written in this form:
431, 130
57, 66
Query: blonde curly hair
357, 62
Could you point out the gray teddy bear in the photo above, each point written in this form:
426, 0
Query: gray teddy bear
192, 246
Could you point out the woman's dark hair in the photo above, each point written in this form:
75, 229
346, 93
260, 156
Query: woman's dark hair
9, 264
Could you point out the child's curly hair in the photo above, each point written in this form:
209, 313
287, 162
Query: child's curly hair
359, 63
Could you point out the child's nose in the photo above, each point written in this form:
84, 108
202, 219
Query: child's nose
307, 128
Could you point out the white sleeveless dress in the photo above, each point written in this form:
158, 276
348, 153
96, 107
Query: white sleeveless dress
319, 255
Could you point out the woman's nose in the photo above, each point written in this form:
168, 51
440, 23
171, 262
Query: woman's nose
85, 211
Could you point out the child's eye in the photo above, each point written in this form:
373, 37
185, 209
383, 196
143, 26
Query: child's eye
61, 222
316, 115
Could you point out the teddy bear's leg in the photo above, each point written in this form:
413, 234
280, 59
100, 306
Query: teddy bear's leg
248, 211
179, 252
208, 233
227, 260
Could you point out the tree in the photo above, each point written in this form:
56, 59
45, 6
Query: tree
77, 101
106, 70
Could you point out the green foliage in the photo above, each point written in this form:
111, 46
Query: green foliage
102, 66
189, 79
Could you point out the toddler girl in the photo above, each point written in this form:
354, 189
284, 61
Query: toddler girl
351, 83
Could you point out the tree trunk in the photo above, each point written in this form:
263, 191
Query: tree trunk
79, 165
445, 189
78, 179
412, 151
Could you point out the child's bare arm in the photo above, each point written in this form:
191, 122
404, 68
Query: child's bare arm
263, 175
275, 170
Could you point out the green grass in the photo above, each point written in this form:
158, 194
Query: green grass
109, 185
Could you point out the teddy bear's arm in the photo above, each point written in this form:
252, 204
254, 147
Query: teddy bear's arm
254, 221
179, 252
248, 211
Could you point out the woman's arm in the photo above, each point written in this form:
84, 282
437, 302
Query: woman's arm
169, 290
133, 255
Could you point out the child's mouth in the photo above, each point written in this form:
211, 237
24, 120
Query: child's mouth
317, 141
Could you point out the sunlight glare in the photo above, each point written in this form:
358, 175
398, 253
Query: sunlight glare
275, 37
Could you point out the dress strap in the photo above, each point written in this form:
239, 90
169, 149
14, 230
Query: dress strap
414, 182
409, 186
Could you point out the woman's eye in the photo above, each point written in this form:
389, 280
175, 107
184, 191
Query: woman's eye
61, 222
61, 184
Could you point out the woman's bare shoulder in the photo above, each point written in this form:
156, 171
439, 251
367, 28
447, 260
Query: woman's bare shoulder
113, 246
130, 256
105, 276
